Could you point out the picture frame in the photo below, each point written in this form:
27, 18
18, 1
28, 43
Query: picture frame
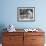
25, 14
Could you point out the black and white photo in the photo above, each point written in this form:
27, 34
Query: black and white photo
25, 13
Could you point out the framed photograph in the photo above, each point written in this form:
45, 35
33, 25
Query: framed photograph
26, 14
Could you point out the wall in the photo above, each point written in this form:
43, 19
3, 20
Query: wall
9, 13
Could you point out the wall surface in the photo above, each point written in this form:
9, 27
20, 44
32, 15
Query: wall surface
8, 13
